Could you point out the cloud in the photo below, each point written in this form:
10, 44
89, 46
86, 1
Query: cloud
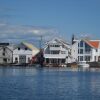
24, 32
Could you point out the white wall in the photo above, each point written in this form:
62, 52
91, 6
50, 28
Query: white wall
74, 52
94, 53
8, 54
17, 53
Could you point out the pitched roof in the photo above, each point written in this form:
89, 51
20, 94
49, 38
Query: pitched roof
94, 44
30, 46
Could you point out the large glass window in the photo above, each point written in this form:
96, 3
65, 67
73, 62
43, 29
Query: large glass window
87, 58
81, 51
81, 43
57, 45
81, 58
63, 61
54, 52
87, 48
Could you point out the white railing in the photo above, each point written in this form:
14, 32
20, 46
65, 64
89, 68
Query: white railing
55, 55
55, 48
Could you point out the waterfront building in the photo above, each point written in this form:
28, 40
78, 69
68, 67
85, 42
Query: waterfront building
57, 53
24, 53
6, 53
85, 50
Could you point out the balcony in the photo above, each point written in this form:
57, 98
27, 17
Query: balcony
87, 53
55, 48
55, 56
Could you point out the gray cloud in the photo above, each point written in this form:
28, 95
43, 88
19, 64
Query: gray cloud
24, 32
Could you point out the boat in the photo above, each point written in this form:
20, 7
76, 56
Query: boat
83, 64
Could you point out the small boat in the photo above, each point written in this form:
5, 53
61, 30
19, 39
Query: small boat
83, 64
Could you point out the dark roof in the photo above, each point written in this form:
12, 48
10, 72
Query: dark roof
4, 44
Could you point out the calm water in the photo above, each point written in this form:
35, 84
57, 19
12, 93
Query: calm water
49, 84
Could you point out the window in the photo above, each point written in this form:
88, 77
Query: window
57, 46
63, 61
81, 51
16, 58
81, 43
78, 51
18, 48
95, 58
81, 58
29, 60
87, 58
54, 52
78, 45
3, 49
3, 54
5, 60
78, 58
63, 52
87, 48
96, 50
47, 60
25, 48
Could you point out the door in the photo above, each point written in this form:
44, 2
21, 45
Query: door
22, 59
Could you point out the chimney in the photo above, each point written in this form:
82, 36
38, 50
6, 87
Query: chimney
73, 38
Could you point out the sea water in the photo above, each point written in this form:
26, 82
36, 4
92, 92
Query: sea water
28, 83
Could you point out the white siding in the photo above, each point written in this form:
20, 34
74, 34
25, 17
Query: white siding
74, 52
17, 53
61, 50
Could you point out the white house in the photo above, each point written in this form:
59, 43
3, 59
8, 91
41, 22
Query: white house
6, 53
57, 52
85, 50
24, 52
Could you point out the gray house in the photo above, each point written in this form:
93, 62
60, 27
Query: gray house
6, 53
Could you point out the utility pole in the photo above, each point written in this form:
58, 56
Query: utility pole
41, 41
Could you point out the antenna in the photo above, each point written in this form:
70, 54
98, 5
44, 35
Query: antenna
41, 41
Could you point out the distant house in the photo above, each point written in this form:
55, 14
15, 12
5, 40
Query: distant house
86, 50
6, 53
24, 53
57, 52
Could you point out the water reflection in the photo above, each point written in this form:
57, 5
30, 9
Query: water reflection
49, 84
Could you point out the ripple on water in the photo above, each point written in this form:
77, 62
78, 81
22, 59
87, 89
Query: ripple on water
49, 84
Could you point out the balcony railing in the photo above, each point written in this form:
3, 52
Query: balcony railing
55, 48
55, 55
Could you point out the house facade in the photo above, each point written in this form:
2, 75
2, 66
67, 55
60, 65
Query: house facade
24, 52
85, 50
6, 53
57, 52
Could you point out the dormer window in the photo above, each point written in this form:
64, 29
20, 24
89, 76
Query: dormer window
18, 48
